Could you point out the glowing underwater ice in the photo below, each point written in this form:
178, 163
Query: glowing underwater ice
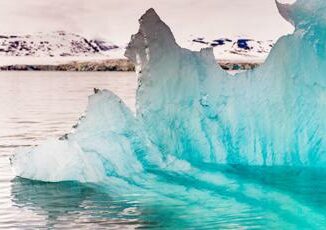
192, 113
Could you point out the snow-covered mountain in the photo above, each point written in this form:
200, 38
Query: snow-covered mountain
62, 47
56, 44
236, 49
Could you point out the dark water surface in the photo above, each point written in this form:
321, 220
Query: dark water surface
38, 105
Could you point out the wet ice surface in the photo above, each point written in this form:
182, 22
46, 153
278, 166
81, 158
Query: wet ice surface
37, 105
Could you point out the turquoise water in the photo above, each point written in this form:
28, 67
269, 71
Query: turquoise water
37, 105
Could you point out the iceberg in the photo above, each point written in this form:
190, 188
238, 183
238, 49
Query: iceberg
192, 113
202, 138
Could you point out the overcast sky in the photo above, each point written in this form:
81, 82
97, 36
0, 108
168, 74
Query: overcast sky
116, 20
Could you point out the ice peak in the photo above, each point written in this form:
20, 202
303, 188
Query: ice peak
154, 29
285, 11
150, 15
301, 12
152, 37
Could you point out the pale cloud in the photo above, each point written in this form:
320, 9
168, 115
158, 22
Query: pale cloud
116, 20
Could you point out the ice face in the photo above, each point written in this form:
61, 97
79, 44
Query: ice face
274, 115
104, 143
191, 113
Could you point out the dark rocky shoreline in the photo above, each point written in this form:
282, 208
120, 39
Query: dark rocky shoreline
112, 65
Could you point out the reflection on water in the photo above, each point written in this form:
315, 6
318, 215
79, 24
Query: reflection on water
72, 205
35, 106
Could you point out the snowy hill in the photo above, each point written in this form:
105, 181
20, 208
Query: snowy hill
54, 46
235, 49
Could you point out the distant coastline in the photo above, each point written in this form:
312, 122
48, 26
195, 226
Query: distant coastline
113, 65
75, 66
66, 51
